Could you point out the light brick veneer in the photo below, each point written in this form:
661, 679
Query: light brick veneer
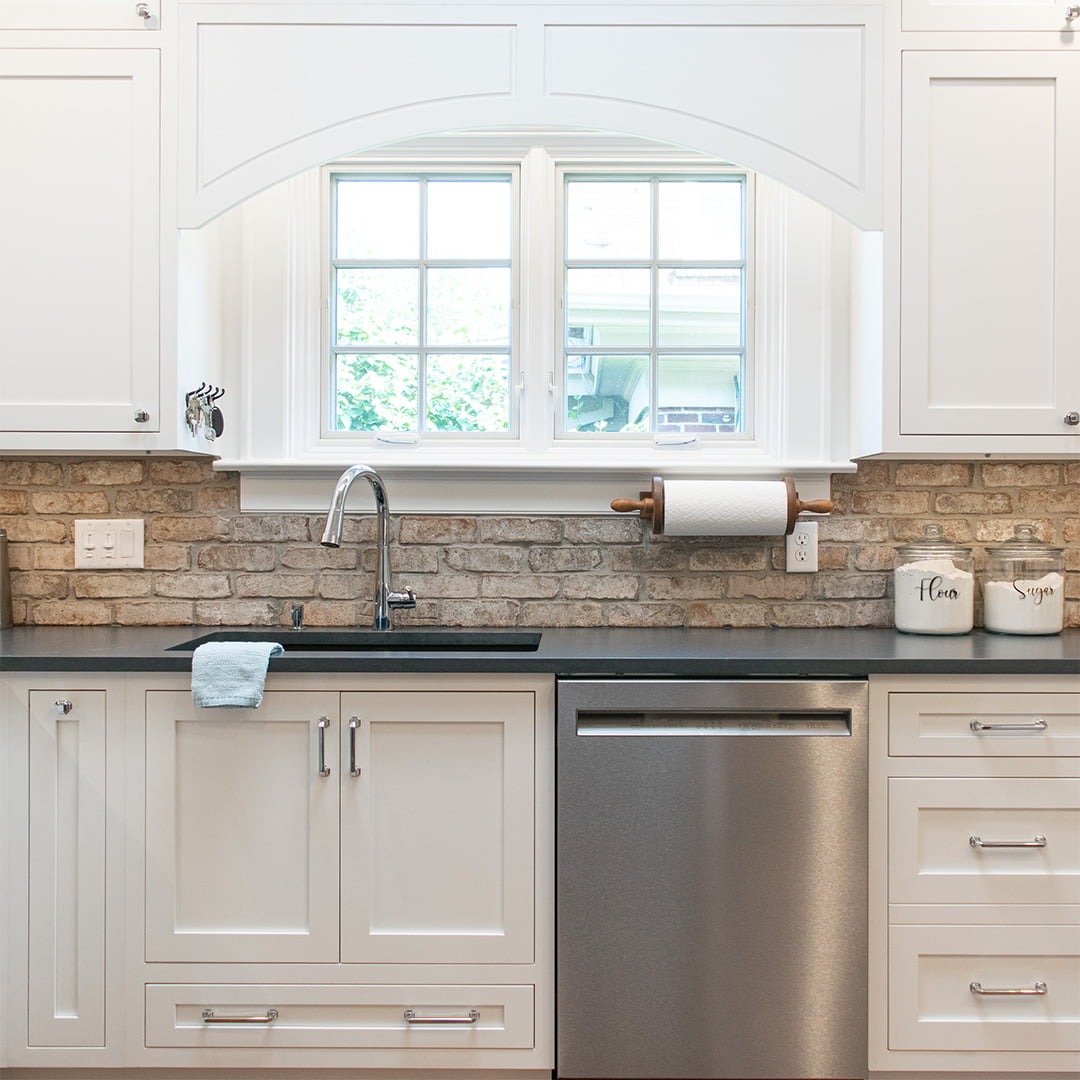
206, 563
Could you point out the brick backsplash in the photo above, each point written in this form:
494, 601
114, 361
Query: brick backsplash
206, 563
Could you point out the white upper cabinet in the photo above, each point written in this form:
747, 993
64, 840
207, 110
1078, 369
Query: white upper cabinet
79, 263
80, 15
990, 249
1050, 15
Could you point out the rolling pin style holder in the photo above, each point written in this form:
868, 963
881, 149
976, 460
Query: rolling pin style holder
650, 505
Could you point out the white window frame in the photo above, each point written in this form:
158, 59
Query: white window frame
565, 170
799, 388
330, 174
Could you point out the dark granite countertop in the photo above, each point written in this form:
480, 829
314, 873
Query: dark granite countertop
630, 653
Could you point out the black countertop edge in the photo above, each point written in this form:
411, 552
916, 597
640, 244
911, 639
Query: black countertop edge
582, 653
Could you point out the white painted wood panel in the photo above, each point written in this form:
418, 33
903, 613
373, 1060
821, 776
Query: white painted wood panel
341, 1016
241, 830
437, 836
269, 90
77, 15
931, 858
932, 1006
1046, 15
990, 244
939, 724
67, 808
79, 192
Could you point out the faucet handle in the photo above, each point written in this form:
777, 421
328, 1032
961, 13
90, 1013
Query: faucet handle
406, 598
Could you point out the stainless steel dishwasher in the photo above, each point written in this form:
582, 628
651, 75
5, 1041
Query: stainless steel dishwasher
711, 879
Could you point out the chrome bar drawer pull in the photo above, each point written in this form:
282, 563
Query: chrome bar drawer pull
268, 1017
978, 842
324, 723
1037, 725
412, 1018
1038, 988
354, 769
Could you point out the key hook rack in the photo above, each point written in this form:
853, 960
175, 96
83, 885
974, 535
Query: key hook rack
201, 413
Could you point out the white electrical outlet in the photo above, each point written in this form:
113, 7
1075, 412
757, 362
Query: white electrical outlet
802, 548
109, 544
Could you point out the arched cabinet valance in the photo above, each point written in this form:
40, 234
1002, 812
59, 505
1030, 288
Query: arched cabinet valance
793, 92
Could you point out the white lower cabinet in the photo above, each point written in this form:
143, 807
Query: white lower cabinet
357, 874
975, 875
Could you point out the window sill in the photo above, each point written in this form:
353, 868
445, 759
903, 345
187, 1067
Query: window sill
555, 483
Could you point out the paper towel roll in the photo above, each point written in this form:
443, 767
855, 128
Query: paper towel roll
725, 507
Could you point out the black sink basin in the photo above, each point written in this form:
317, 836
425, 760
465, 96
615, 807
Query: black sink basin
411, 640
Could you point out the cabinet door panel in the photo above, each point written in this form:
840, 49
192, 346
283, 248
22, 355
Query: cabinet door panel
990, 244
437, 830
241, 830
79, 220
66, 961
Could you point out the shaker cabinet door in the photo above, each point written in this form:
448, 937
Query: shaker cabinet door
990, 246
66, 895
79, 194
241, 829
437, 829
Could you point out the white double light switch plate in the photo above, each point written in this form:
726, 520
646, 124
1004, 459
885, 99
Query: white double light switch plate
109, 544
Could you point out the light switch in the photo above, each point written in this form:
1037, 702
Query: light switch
109, 544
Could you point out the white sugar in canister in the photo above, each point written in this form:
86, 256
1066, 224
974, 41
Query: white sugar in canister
1024, 590
934, 586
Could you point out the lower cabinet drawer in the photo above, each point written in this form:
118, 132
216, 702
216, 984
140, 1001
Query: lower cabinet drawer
396, 1017
942, 983
964, 841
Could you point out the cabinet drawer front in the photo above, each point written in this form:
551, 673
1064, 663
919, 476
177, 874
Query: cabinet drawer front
1008, 725
340, 1016
1029, 829
932, 1005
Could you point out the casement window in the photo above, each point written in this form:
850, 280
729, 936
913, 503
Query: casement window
429, 338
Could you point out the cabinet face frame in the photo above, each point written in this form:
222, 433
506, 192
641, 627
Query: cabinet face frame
944, 272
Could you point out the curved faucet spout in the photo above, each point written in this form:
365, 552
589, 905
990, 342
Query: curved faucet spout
385, 597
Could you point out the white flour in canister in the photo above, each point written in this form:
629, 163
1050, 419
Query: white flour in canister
934, 596
1035, 606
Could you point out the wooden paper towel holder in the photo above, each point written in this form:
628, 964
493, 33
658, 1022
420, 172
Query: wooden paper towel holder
650, 505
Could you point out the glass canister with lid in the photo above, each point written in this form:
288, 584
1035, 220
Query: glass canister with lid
1024, 589
934, 585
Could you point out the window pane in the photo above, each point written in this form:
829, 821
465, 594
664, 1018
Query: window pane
468, 306
468, 219
607, 307
699, 393
700, 308
468, 393
700, 220
376, 393
608, 220
377, 307
607, 393
378, 219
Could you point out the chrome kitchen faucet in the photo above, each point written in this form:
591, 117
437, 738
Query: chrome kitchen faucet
385, 598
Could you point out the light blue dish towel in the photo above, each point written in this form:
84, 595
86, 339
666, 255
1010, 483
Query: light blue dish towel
231, 674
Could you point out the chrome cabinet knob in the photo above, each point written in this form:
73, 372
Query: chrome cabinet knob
1072, 418
143, 11
1072, 12
63, 707
142, 416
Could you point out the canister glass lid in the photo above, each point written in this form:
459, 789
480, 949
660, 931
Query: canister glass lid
932, 543
1024, 543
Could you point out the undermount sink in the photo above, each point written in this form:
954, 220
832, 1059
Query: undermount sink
412, 640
